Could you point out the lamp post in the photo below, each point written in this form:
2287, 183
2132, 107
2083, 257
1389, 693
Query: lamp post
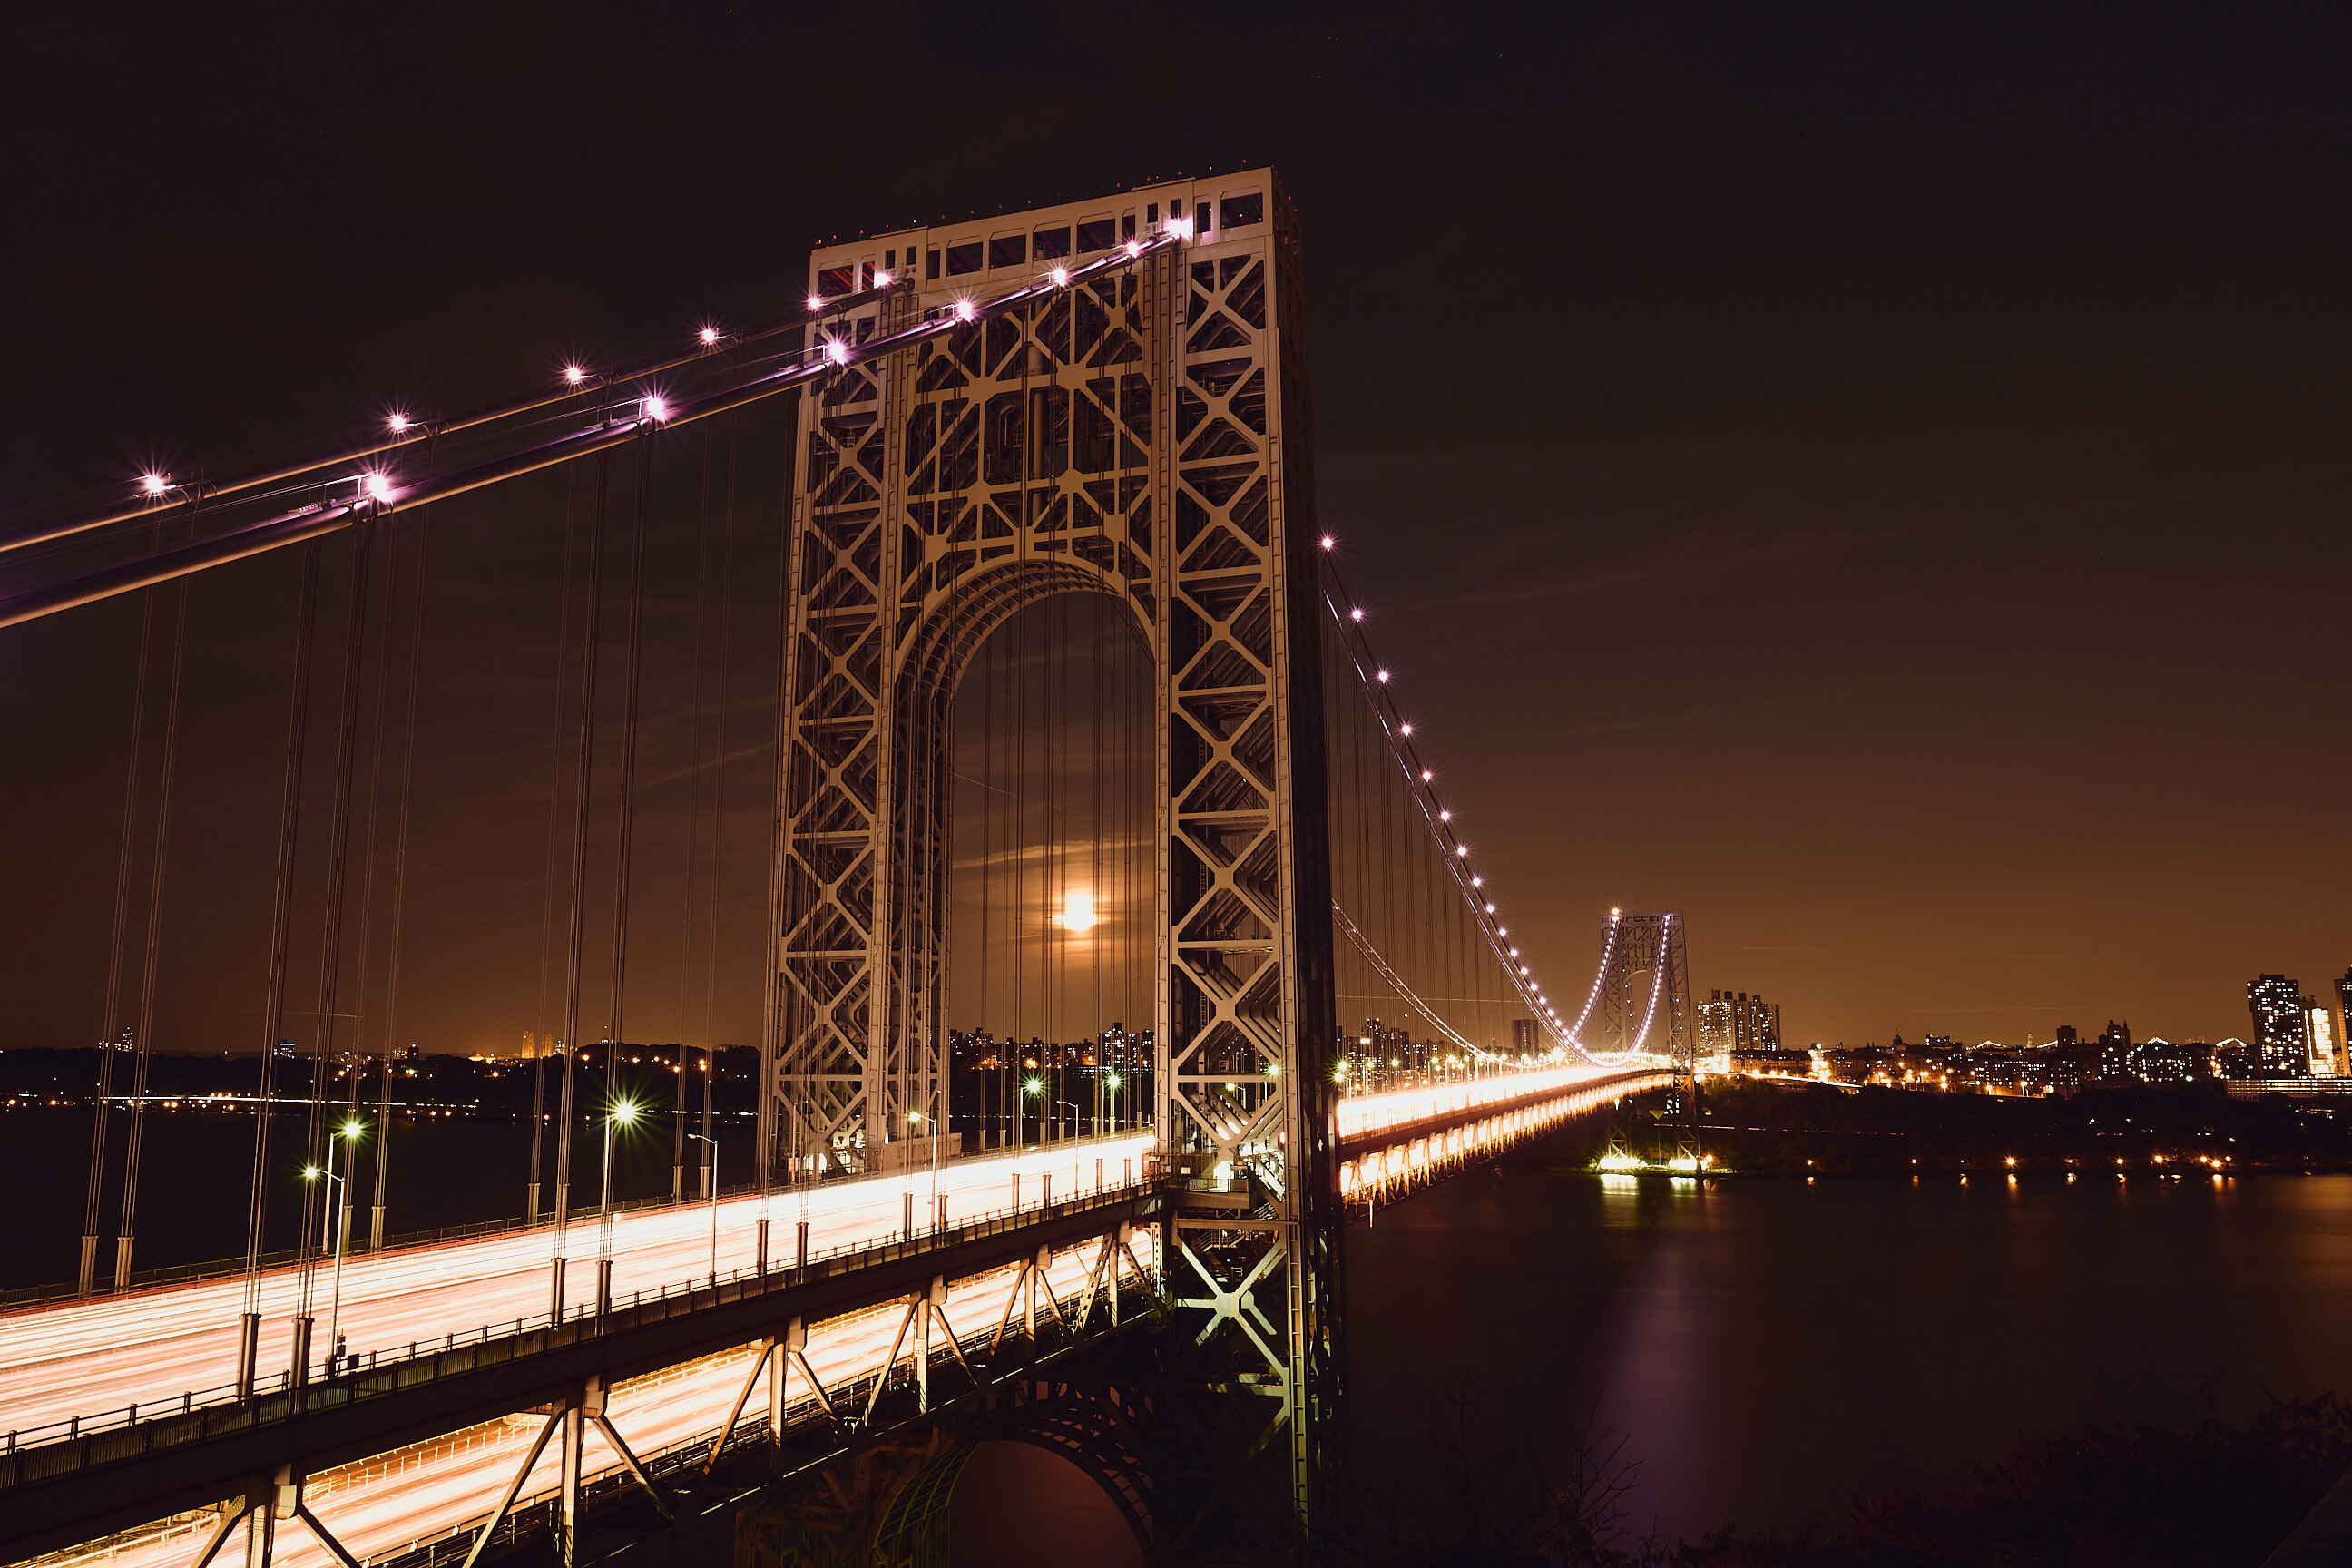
714, 1201
348, 1132
623, 1113
1110, 1084
1034, 1085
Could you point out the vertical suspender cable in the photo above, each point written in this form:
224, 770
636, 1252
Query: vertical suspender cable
693, 824
109, 1029
718, 812
370, 836
338, 864
145, 1041
400, 873
281, 926
592, 618
772, 994
628, 825
547, 875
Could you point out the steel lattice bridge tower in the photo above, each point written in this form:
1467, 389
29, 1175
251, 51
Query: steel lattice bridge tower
1105, 400
1143, 436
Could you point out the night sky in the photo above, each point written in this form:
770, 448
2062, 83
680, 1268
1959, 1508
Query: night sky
1874, 481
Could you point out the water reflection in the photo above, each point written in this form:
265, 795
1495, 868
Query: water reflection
1770, 1347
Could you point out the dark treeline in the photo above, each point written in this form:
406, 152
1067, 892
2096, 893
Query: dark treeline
504, 1084
1750, 1125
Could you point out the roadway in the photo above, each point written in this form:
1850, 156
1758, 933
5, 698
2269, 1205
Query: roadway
381, 1508
92, 1358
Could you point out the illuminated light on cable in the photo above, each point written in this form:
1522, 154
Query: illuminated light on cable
1061, 277
816, 301
1382, 678
657, 408
1503, 931
378, 487
154, 484
1523, 969
708, 335
1328, 542
1182, 227
1460, 850
1445, 816
398, 422
1134, 249
1425, 775
882, 279
963, 310
573, 375
1478, 881
1357, 614
1490, 908
836, 350
1514, 952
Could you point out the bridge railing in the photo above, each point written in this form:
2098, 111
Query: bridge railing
63, 1448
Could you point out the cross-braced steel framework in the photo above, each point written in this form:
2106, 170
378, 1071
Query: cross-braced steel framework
1142, 433
1644, 987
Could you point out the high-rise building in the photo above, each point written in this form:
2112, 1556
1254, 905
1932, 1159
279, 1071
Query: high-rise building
1762, 1027
1715, 1033
2115, 1059
1523, 1036
2320, 1038
2282, 1038
2344, 1024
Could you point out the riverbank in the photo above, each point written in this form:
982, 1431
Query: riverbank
1796, 1128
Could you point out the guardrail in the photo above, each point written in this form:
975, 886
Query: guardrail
66, 1447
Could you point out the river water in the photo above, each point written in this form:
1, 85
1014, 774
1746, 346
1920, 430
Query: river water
1768, 1348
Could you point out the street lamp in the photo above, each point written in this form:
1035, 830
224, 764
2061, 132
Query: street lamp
1035, 1085
714, 1202
349, 1132
1110, 1082
623, 1113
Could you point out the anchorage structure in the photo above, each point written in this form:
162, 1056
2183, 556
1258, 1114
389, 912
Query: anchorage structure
1644, 990
1139, 430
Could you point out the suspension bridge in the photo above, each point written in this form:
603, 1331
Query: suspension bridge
1076, 721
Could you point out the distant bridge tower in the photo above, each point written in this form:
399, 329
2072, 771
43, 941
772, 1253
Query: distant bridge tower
1644, 990
1139, 432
